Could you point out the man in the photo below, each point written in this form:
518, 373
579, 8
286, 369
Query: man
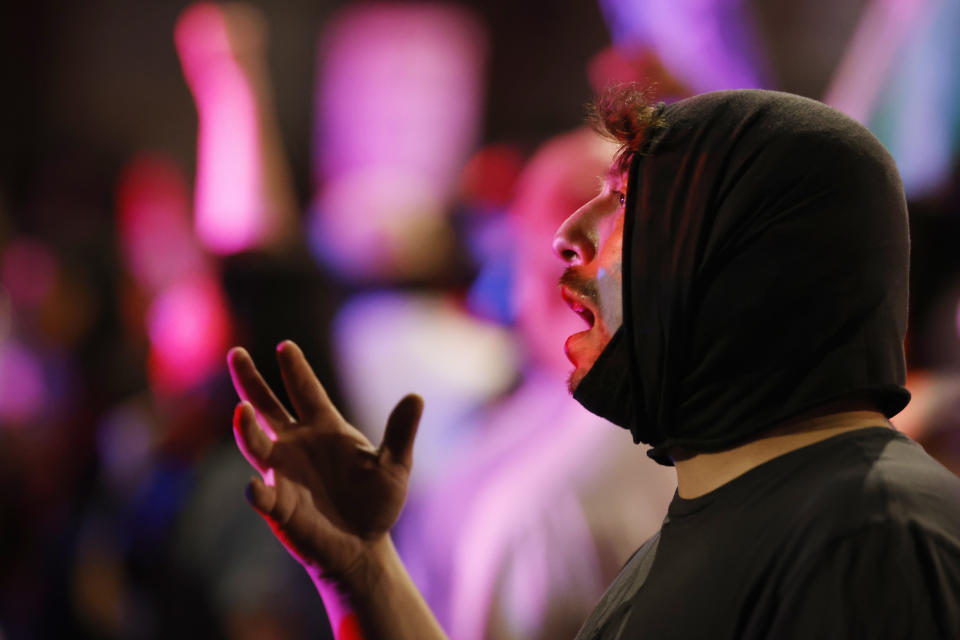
743, 275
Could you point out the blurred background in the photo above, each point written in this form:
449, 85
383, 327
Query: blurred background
380, 183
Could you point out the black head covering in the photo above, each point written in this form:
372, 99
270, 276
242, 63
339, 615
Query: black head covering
765, 262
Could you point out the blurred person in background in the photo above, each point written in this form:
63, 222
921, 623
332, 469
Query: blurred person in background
763, 370
520, 531
494, 516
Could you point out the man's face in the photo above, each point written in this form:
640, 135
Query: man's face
590, 242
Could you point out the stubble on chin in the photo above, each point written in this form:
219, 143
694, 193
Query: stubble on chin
573, 380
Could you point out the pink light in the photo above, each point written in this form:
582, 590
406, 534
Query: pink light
400, 86
501, 508
875, 45
915, 111
229, 201
705, 44
23, 390
189, 328
28, 270
490, 177
398, 112
153, 222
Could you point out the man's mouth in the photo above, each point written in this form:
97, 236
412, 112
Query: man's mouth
579, 306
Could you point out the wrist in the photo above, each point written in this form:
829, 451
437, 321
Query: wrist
363, 575
378, 600
350, 591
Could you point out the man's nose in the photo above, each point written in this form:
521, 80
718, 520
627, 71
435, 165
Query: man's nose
576, 239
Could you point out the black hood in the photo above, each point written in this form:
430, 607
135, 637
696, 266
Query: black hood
765, 263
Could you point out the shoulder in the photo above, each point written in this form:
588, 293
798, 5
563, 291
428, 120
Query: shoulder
878, 486
877, 477
879, 536
888, 579
614, 607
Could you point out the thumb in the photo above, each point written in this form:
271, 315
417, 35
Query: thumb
397, 445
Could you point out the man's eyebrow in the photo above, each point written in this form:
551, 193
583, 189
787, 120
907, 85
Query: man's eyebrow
613, 175
618, 177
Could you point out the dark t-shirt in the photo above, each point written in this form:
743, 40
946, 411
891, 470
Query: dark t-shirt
856, 536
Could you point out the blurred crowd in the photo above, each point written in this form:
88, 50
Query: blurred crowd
419, 262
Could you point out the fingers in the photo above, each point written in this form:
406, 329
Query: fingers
255, 445
397, 445
306, 393
261, 497
251, 386
278, 504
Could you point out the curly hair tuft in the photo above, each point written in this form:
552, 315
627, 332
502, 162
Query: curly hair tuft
624, 113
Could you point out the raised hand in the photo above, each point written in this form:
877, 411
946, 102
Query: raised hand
327, 493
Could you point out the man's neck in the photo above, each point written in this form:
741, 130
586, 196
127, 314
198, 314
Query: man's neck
703, 472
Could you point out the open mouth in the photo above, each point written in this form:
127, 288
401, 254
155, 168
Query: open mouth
578, 307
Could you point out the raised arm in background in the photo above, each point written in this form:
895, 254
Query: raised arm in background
331, 497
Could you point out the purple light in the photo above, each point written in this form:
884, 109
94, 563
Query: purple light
398, 112
917, 115
124, 444
229, 202
23, 390
508, 507
859, 77
704, 43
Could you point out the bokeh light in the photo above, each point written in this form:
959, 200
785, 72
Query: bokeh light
398, 112
189, 331
23, 388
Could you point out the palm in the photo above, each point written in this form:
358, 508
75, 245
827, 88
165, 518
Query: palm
328, 493
341, 496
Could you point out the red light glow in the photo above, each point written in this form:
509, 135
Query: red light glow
189, 329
